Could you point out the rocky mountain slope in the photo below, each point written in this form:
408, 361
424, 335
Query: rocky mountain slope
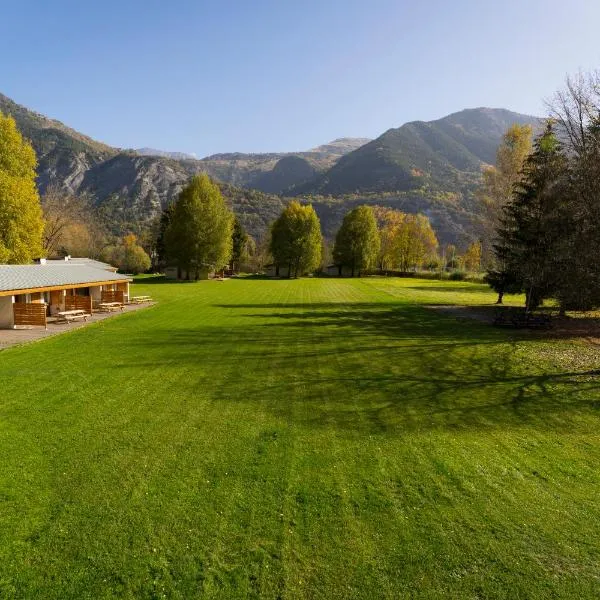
430, 167
165, 154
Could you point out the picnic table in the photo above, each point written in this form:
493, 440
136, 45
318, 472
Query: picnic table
66, 316
110, 306
140, 299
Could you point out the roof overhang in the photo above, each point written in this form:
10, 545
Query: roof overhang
67, 286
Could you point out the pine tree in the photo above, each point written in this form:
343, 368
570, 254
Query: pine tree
579, 286
21, 223
531, 236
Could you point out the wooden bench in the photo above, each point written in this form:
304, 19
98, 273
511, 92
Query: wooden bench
140, 299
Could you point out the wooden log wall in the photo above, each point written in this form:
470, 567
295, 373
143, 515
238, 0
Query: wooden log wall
113, 296
30, 314
79, 303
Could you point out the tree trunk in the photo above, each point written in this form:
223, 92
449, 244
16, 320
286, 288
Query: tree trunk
500, 297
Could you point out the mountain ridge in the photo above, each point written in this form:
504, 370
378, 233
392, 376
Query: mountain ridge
422, 166
446, 151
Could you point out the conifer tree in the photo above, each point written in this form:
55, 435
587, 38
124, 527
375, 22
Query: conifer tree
531, 242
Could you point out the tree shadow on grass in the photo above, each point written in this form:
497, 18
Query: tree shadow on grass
473, 288
373, 368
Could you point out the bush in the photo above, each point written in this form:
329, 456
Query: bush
457, 276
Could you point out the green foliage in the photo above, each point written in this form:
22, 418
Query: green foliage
239, 239
161, 241
457, 276
357, 242
296, 240
21, 223
199, 233
531, 236
499, 181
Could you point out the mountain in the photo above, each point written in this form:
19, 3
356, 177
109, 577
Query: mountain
429, 167
64, 155
445, 154
164, 154
341, 146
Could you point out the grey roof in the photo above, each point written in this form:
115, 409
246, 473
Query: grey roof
91, 262
21, 277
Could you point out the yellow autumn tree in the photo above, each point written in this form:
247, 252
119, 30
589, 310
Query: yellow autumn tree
21, 223
407, 240
499, 180
472, 257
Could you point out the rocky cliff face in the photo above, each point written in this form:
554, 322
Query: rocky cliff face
143, 182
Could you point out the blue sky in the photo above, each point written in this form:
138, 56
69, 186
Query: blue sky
259, 75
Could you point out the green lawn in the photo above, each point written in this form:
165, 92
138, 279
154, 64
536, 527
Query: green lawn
300, 439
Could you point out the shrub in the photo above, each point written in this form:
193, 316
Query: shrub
457, 276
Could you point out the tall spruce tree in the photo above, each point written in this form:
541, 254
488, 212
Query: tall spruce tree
198, 235
499, 181
531, 241
296, 240
357, 241
21, 223
579, 286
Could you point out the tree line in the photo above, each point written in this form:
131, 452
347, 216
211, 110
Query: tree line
545, 200
198, 231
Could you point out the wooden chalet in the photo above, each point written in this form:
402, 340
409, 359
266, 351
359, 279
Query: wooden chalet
29, 294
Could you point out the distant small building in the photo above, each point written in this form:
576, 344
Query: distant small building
277, 270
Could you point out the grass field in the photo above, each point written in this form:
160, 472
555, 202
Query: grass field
300, 439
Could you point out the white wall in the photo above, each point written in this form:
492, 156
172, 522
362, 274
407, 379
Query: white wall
96, 294
7, 319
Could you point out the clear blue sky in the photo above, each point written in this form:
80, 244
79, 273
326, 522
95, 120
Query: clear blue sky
258, 75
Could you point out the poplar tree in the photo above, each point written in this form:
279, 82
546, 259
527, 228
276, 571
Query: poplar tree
198, 235
239, 240
296, 240
357, 241
21, 223
499, 180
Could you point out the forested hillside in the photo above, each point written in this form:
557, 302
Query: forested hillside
430, 167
